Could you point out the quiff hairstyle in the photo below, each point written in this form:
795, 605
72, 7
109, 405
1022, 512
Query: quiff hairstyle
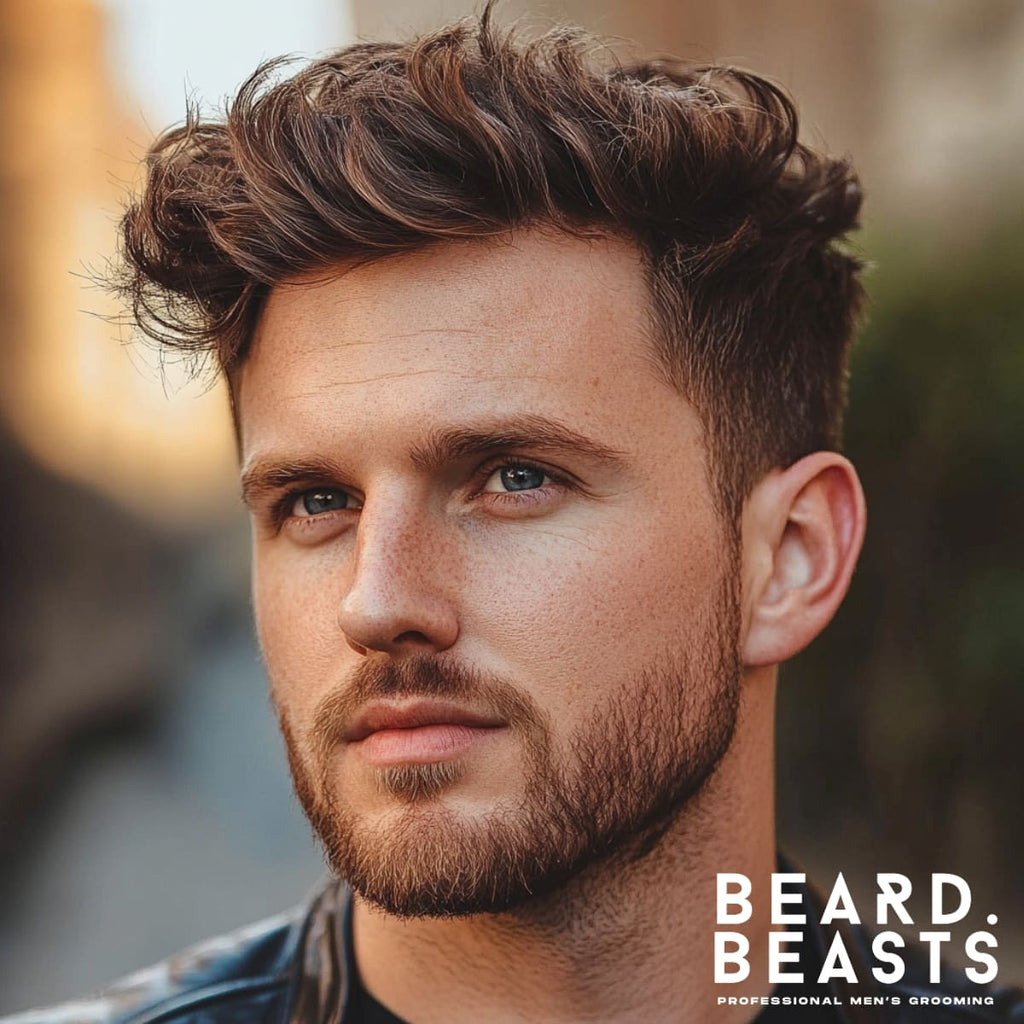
468, 133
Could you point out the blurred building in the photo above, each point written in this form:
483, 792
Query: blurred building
90, 409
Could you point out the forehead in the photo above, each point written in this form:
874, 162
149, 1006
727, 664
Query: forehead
537, 324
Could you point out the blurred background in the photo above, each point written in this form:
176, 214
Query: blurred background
144, 799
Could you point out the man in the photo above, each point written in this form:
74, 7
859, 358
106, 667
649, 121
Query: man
537, 370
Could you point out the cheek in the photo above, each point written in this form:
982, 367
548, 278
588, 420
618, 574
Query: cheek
302, 646
578, 612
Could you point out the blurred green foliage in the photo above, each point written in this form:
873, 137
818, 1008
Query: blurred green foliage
902, 727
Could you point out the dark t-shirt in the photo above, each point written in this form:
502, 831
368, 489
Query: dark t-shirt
366, 1009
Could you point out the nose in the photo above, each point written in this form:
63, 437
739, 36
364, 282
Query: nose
397, 601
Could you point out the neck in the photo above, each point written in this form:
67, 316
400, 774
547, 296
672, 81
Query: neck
623, 942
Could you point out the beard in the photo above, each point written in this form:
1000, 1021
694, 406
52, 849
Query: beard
642, 754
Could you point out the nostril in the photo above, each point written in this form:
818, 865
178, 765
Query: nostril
358, 648
411, 636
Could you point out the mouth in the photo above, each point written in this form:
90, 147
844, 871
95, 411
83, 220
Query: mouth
417, 732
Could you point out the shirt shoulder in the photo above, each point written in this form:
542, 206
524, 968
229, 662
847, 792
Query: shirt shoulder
248, 974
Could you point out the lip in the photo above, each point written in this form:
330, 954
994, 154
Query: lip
385, 717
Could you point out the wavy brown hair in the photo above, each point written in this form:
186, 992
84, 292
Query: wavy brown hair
468, 133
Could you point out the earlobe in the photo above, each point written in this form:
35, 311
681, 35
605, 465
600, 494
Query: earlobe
802, 532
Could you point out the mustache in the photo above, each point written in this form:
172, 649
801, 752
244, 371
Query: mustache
376, 680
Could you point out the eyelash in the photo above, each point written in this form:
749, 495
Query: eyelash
281, 510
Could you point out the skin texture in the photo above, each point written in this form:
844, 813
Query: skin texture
611, 571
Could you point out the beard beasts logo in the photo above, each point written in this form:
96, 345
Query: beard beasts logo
950, 904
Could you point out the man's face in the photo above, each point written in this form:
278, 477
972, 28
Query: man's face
497, 607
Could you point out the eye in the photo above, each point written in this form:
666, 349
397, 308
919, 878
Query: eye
320, 500
515, 477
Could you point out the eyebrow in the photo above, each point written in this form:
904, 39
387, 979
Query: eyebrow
448, 444
262, 478
441, 447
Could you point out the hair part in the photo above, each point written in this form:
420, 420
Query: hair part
468, 133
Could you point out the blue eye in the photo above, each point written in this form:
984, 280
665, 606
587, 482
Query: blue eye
516, 478
315, 502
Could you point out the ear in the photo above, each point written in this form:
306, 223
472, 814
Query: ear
802, 532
